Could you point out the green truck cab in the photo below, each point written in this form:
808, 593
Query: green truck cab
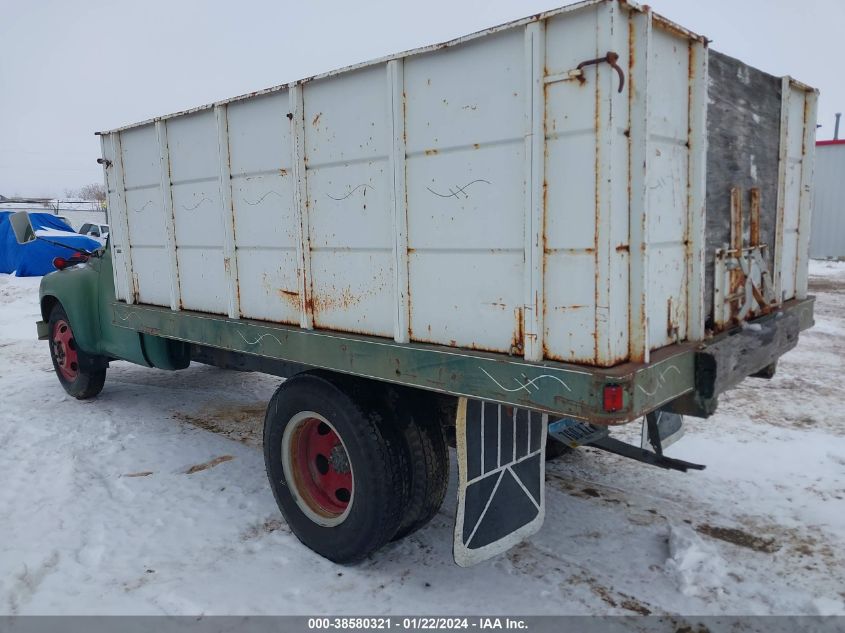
82, 295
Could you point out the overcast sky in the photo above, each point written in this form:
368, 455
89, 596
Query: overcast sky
68, 68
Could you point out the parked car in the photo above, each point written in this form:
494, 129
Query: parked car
58, 243
99, 232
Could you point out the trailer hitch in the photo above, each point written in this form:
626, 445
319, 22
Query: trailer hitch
612, 59
574, 433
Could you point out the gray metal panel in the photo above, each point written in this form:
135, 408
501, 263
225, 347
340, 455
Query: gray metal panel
743, 125
827, 238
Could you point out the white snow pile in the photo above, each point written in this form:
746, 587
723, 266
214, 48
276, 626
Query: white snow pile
695, 565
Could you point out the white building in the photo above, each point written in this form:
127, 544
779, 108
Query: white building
827, 238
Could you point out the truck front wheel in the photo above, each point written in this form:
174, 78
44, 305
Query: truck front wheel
335, 465
81, 374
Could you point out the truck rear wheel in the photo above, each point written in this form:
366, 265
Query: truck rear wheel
416, 416
335, 465
81, 374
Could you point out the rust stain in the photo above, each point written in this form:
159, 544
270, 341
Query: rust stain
290, 297
575, 306
623, 248
345, 299
431, 152
283, 172
736, 243
518, 339
596, 210
671, 326
316, 119
755, 217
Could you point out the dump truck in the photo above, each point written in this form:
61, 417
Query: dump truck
514, 240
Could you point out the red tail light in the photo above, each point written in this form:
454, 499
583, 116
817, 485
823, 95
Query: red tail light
612, 398
60, 263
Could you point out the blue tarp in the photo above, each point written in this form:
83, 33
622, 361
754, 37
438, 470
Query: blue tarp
36, 258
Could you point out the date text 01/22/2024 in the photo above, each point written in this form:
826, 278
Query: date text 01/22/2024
416, 624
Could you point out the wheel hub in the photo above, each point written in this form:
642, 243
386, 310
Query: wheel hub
317, 468
339, 460
64, 350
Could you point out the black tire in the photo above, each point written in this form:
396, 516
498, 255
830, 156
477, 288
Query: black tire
555, 448
417, 418
83, 377
372, 450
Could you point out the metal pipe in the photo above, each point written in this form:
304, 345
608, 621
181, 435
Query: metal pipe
836, 127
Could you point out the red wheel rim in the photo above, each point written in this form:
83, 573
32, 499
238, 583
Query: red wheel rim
64, 350
320, 468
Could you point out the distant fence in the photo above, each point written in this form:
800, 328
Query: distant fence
77, 212
77, 217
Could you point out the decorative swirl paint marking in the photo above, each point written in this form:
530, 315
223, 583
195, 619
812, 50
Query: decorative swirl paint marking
261, 199
459, 190
259, 339
529, 383
196, 205
363, 186
661, 380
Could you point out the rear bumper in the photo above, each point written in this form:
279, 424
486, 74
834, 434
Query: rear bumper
751, 349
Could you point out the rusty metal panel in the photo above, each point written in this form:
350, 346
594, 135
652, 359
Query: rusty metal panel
465, 153
300, 207
119, 235
571, 189
614, 236
743, 124
145, 215
227, 219
350, 218
699, 61
639, 154
534, 165
795, 185
667, 188
195, 190
399, 198
167, 215
265, 222
806, 205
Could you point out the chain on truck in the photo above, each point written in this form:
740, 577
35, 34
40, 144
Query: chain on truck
513, 240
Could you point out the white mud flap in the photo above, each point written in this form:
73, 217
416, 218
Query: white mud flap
501, 470
660, 430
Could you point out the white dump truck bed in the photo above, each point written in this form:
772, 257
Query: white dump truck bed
542, 189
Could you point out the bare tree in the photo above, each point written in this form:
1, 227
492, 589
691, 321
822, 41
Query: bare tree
94, 191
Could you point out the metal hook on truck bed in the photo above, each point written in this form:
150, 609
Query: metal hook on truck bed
612, 59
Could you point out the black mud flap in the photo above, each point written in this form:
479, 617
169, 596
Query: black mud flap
501, 470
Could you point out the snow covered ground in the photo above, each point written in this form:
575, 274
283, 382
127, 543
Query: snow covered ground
152, 499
